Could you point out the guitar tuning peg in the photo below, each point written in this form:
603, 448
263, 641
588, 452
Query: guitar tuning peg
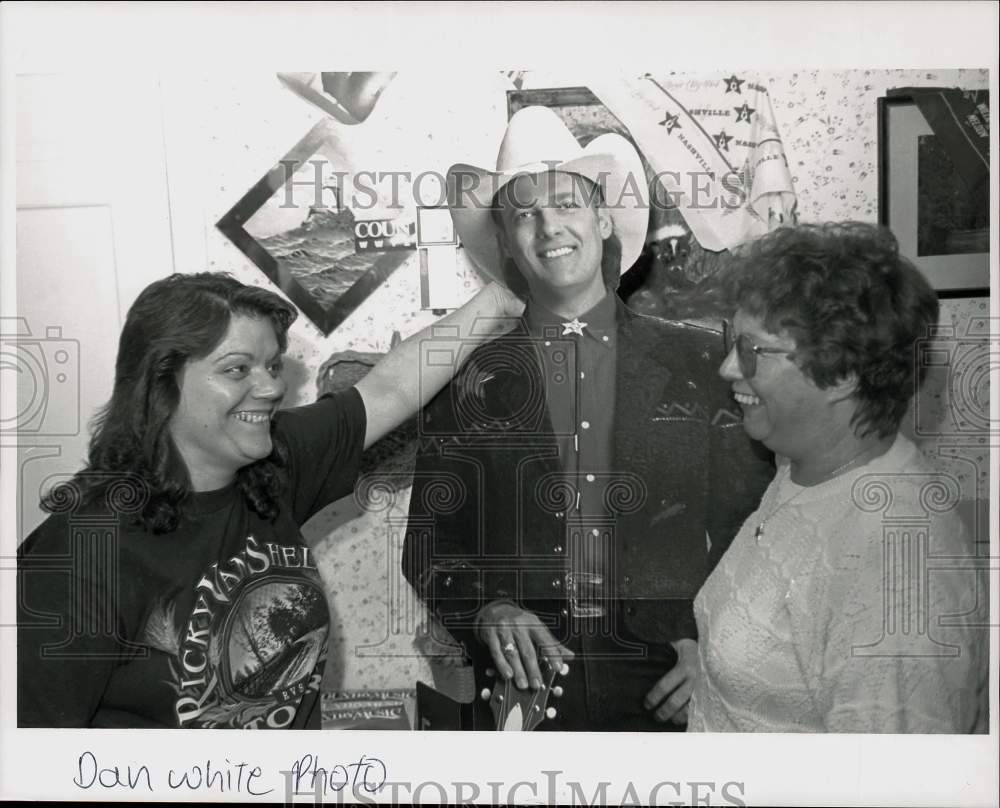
485, 694
550, 712
563, 669
557, 691
491, 673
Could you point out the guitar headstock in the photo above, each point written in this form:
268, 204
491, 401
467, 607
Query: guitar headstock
516, 710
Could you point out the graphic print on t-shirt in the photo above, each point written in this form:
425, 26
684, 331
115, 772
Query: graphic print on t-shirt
267, 650
254, 642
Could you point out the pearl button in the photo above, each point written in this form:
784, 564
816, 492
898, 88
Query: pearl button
590, 478
595, 532
557, 549
556, 583
583, 375
585, 424
605, 338
547, 343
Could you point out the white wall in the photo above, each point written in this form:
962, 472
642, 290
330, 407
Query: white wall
93, 228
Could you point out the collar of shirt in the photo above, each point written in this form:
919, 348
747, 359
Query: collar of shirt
601, 321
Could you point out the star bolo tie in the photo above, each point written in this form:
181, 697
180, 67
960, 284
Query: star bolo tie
574, 326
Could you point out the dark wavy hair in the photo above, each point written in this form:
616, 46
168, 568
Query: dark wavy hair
611, 256
853, 305
173, 321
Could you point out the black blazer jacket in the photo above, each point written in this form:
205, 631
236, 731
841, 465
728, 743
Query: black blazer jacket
490, 499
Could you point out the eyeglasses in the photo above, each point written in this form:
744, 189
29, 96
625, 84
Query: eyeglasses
746, 351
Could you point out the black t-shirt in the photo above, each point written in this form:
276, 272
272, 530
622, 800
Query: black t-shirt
221, 623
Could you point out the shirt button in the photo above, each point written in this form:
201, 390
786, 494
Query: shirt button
605, 338
447, 581
585, 424
556, 583
628, 579
564, 612
560, 515
547, 343
590, 478
583, 375
595, 532
557, 549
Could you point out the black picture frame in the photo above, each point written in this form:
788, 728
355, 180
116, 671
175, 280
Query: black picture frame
900, 125
329, 316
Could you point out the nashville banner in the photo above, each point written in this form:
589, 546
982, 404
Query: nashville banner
713, 144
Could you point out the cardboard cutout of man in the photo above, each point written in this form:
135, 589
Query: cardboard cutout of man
581, 476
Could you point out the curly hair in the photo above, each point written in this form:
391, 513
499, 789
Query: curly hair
853, 305
174, 320
611, 256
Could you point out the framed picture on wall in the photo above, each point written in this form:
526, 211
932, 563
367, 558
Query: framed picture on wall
295, 225
933, 187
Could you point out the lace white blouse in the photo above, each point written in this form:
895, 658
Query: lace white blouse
858, 608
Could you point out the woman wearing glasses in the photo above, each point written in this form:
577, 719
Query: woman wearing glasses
828, 611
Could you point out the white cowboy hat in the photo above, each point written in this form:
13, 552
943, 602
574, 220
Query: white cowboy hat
537, 141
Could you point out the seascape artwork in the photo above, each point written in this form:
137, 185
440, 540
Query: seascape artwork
295, 228
319, 254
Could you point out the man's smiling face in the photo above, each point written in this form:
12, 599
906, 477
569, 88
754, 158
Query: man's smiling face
554, 230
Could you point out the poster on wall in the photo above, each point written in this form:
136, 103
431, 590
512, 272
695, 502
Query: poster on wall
295, 226
362, 192
934, 170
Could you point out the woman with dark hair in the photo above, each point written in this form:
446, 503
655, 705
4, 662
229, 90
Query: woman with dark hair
171, 586
827, 612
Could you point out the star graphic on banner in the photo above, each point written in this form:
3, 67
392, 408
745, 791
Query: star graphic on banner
743, 113
574, 326
722, 140
734, 85
671, 122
